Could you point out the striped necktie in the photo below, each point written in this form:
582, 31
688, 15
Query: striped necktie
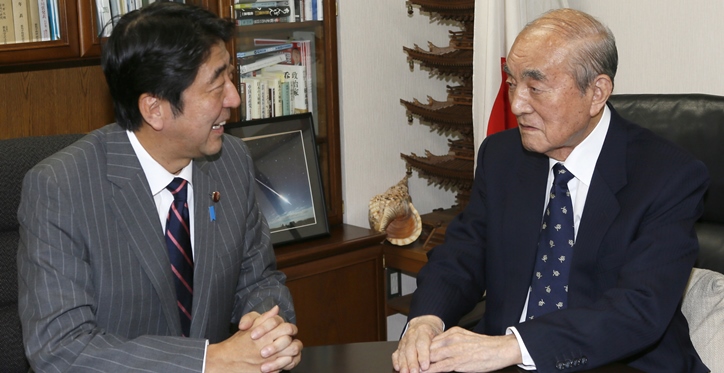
549, 286
178, 242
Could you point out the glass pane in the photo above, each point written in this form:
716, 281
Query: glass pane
25, 21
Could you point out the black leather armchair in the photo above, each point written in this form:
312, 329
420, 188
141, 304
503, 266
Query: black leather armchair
17, 156
696, 123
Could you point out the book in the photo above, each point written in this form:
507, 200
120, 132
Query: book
262, 13
260, 63
7, 27
259, 21
20, 21
53, 19
264, 50
44, 21
34, 20
253, 105
261, 4
295, 75
104, 17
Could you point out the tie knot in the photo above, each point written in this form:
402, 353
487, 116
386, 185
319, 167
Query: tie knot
177, 187
561, 175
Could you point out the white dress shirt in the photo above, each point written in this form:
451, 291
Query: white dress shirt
158, 178
581, 162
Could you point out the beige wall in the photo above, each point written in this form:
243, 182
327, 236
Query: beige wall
374, 76
669, 46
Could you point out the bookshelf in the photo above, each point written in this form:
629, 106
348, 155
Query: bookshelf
323, 89
26, 66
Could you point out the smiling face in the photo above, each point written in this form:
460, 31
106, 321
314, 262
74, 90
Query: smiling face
207, 104
554, 116
175, 139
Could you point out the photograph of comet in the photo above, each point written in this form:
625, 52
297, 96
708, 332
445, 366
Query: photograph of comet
283, 188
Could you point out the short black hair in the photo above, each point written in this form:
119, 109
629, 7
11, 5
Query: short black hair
158, 50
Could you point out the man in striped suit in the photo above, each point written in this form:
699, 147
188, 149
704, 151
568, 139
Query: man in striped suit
96, 283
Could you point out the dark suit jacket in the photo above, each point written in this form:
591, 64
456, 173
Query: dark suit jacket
634, 251
96, 292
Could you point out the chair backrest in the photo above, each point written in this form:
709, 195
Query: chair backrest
696, 123
17, 156
703, 306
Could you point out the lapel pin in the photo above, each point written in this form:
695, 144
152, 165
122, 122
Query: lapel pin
215, 196
212, 213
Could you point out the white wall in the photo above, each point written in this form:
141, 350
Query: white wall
665, 46
373, 76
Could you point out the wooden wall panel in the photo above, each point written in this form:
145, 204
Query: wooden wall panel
47, 102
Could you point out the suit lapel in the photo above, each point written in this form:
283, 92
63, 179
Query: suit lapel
133, 203
601, 208
205, 234
522, 223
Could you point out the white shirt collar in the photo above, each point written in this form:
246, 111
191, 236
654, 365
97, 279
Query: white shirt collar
157, 176
582, 160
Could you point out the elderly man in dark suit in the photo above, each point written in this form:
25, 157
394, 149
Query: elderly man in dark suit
120, 272
579, 228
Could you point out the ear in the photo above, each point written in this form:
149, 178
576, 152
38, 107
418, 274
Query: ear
151, 110
602, 89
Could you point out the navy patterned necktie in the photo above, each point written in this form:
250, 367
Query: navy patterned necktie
549, 286
178, 242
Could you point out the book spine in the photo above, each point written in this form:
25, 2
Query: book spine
286, 98
7, 26
269, 49
263, 98
265, 4
259, 21
276, 11
44, 21
242, 96
53, 19
104, 17
264, 62
320, 10
248, 103
20, 20
34, 20
254, 101
308, 14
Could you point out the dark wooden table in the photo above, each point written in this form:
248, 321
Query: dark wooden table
375, 357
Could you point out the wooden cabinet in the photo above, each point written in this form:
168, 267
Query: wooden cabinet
31, 53
338, 287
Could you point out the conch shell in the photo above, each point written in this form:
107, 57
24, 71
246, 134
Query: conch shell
392, 212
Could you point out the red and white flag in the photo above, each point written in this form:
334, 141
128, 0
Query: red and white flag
497, 23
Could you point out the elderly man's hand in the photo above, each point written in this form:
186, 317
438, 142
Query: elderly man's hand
413, 351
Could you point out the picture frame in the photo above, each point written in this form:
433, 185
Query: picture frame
288, 185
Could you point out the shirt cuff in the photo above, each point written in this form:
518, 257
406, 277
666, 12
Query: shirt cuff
528, 363
206, 348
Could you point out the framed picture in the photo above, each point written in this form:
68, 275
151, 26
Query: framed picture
288, 182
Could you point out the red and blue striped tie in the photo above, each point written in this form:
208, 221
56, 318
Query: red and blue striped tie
178, 242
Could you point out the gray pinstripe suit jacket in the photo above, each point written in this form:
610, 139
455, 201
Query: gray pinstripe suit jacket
95, 289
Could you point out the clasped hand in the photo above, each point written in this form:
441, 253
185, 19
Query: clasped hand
426, 348
264, 343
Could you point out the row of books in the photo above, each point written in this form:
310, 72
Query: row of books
109, 11
23, 21
254, 12
288, 61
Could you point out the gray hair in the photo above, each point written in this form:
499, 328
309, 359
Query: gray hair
594, 46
